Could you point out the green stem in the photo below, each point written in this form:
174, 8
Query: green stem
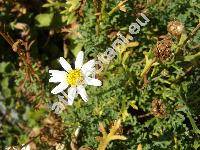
97, 16
194, 126
184, 39
148, 66
117, 7
192, 57
103, 7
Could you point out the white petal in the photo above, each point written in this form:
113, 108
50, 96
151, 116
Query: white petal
26, 147
82, 92
59, 88
65, 64
8, 148
92, 81
57, 76
79, 60
71, 95
88, 68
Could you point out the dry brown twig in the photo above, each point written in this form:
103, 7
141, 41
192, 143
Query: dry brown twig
22, 48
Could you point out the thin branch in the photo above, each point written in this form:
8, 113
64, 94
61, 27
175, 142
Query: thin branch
194, 31
117, 7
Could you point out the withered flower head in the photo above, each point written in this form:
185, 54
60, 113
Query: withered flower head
158, 108
176, 28
53, 131
162, 51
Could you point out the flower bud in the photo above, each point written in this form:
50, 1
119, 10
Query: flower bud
158, 108
176, 28
162, 51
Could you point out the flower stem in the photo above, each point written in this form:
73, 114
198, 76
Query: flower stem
117, 7
148, 66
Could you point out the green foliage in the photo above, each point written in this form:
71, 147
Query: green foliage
44, 20
131, 81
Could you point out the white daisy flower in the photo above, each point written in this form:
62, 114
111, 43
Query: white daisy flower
14, 148
75, 79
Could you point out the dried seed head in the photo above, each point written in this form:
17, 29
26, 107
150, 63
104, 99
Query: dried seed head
163, 48
53, 131
176, 28
158, 108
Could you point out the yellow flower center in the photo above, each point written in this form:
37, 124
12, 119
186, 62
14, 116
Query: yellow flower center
75, 77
